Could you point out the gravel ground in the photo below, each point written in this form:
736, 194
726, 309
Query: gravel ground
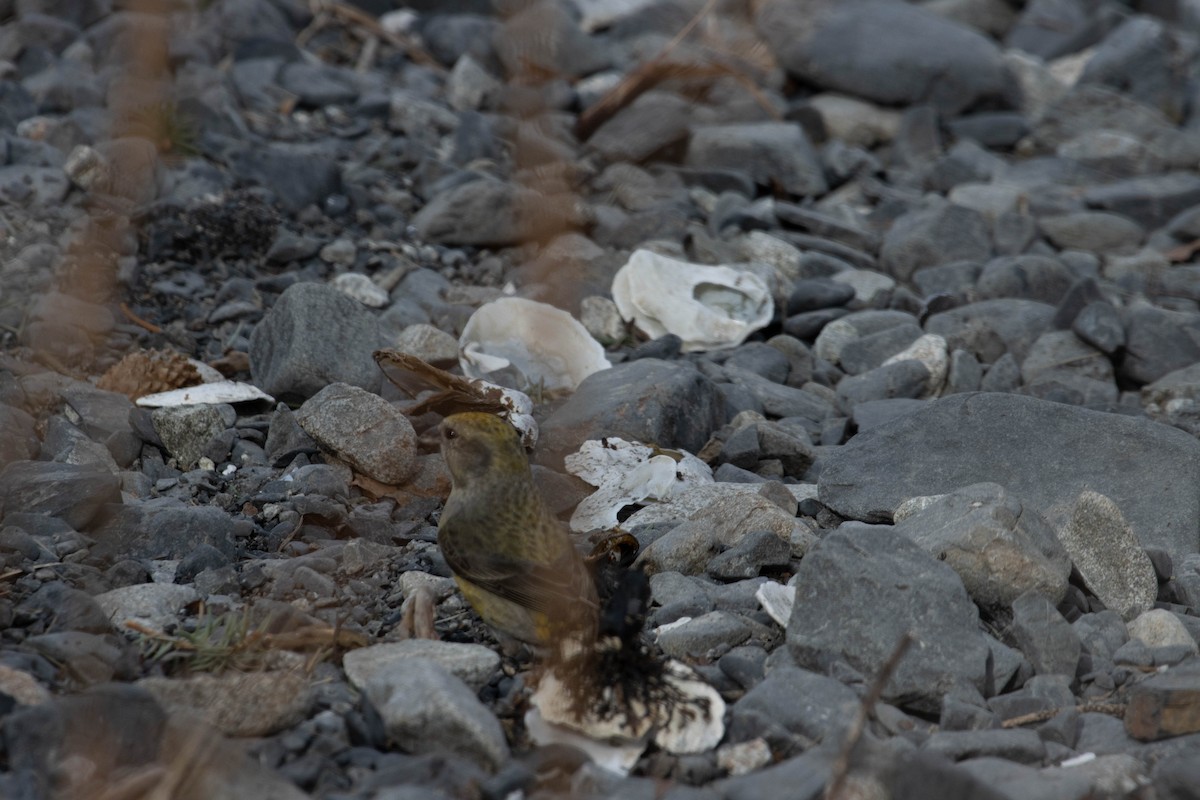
962, 409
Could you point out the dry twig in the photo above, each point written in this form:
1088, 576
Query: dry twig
841, 766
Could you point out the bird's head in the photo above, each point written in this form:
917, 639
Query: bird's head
477, 445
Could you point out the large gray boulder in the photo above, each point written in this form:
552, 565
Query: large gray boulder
1046, 453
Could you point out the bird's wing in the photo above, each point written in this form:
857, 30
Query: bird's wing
539, 587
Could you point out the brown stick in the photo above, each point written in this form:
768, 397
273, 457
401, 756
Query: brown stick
841, 767
1114, 709
136, 320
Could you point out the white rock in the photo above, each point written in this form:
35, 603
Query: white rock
777, 600
361, 288
544, 344
427, 343
855, 122
866, 283
1158, 628
930, 349
602, 320
155, 605
709, 308
762, 246
743, 757
832, 339
471, 663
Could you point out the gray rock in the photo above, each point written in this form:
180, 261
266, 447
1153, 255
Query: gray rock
1158, 341
1002, 376
425, 709
490, 212
157, 605
1151, 200
870, 351
991, 328
1062, 358
1109, 556
299, 175
1046, 639
1000, 548
1096, 231
171, 531
1022, 746
1045, 453
720, 521
1005, 778
241, 704
746, 559
187, 430
814, 706
900, 379
1053, 28
953, 278
474, 664
63, 608
811, 294
364, 429
1031, 277
1099, 324
1040, 694
18, 442
881, 585
774, 153
937, 233
314, 335
873, 413
318, 85
1143, 58
705, 637
928, 58
669, 403
761, 359
650, 123
779, 400
1101, 633
964, 374
73, 493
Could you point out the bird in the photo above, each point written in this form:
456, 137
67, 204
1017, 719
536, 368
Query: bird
511, 559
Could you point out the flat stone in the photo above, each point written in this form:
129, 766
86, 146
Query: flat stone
73, 493
157, 605
237, 703
928, 58
474, 664
1045, 453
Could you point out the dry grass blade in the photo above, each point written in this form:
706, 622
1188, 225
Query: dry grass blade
841, 766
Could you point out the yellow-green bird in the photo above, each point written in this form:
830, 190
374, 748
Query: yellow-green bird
513, 562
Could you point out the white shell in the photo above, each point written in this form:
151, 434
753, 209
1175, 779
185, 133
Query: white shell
710, 308
545, 344
206, 393
627, 473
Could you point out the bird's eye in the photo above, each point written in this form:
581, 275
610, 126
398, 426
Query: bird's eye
450, 433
